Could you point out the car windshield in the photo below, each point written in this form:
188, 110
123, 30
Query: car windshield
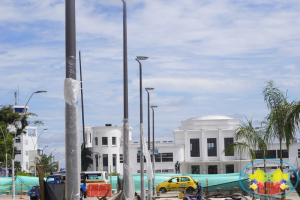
94, 176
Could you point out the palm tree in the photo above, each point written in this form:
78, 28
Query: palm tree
248, 138
283, 120
86, 158
46, 161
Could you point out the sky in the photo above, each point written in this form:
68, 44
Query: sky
205, 57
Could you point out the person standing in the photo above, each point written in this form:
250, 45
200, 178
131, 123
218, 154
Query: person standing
176, 167
199, 190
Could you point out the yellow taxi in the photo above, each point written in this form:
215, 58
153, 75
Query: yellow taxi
177, 183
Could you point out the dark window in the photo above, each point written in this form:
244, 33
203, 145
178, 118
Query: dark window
285, 153
194, 148
271, 154
18, 151
227, 142
167, 157
18, 140
105, 162
113, 142
212, 169
158, 171
96, 140
298, 153
165, 170
211, 146
104, 141
97, 162
195, 169
19, 110
229, 169
258, 154
138, 158
157, 157
114, 162
121, 158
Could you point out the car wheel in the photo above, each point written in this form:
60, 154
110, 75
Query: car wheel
190, 189
163, 190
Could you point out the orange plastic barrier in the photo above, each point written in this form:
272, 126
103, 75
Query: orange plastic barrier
271, 189
98, 190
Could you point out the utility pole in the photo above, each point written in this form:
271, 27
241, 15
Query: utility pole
83, 127
72, 139
126, 182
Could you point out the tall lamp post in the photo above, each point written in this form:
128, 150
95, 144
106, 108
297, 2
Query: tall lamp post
126, 178
43, 149
35, 151
153, 155
13, 150
149, 181
138, 58
5, 140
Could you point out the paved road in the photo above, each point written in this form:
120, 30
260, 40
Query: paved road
167, 196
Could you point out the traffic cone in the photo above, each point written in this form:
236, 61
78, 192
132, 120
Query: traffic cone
21, 197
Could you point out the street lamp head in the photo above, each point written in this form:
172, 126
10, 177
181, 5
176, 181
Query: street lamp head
154, 107
40, 91
149, 89
142, 58
45, 129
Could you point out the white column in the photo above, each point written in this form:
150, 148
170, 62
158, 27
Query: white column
221, 145
187, 146
204, 145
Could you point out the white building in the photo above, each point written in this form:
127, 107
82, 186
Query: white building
198, 146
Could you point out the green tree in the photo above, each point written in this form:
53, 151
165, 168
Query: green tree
283, 119
19, 122
249, 138
86, 158
46, 161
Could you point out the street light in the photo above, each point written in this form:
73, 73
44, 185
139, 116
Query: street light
5, 139
138, 58
52, 152
43, 149
54, 156
149, 182
13, 150
35, 151
147, 89
153, 156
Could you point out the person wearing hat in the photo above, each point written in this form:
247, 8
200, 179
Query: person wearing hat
199, 189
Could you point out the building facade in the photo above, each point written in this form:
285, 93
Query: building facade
198, 146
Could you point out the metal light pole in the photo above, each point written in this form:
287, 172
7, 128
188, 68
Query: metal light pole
149, 181
13, 150
72, 139
52, 152
138, 58
126, 181
5, 139
43, 149
54, 156
35, 151
153, 155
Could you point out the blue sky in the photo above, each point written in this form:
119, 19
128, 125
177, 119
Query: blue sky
205, 57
